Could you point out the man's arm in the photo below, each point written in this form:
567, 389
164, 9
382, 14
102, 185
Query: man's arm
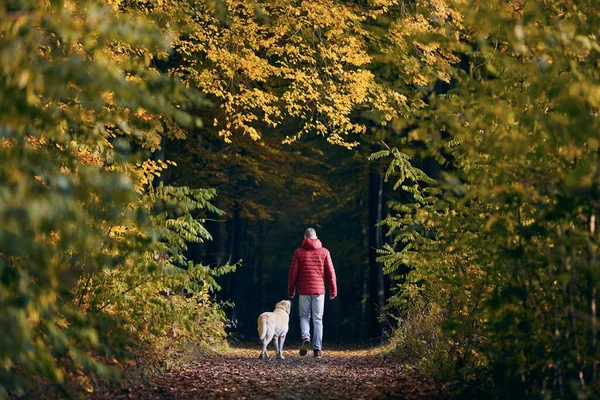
330, 276
293, 275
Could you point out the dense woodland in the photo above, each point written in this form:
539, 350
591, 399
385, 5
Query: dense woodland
160, 160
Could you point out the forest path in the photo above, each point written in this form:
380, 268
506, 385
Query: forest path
239, 374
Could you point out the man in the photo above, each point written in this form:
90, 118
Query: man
311, 268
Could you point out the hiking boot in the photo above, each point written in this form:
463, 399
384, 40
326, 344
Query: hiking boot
304, 347
317, 354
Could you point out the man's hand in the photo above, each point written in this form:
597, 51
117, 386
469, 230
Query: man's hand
331, 297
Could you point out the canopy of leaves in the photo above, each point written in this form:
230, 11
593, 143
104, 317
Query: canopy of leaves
495, 263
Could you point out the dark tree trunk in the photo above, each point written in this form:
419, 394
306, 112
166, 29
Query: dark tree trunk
196, 252
364, 330
432, 168
376, 288
213, 247
387, 239
236, 255
259, 268
361, 330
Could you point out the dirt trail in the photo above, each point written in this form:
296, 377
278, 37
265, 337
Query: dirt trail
239, 374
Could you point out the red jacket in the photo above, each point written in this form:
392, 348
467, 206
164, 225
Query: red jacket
311, 267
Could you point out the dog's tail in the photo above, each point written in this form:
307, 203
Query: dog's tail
262, 328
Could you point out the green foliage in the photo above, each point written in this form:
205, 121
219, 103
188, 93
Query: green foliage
163, 294
507, 249
77, 233
495, 264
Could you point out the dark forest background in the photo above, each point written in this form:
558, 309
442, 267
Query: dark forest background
269, 199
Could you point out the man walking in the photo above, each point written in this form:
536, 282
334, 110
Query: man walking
311, 268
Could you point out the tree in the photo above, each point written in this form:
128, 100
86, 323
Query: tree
78, 93
274, 71
504, 257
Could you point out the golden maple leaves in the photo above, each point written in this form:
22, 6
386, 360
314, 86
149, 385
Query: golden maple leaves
304, 61
308, 64
425, 59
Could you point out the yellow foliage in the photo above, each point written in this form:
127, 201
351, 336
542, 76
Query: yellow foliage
308, 62
426, 52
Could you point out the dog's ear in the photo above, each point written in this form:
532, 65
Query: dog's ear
288, 306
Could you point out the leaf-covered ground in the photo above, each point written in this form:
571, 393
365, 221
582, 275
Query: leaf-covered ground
239, 374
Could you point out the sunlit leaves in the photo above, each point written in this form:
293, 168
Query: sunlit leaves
77, 93
508, 248
306, 61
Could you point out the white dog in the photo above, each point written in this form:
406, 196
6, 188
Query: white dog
274, 325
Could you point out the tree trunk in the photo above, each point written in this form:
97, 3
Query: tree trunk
593, 306
213, 247
376, 289
236, 255
361, 330
259, 269
432, 168
387, 239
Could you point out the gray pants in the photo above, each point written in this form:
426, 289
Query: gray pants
312, 305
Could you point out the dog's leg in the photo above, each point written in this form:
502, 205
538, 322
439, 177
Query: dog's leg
281, 341
266, 344
263, 353
276, 341
262, 350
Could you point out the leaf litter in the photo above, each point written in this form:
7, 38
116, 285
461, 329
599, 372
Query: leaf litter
239, 374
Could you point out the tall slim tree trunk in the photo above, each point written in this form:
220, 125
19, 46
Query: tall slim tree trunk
387, 239
259, 270
236, 255
361, 330
376, 289
364, 330
593, 295
214, 256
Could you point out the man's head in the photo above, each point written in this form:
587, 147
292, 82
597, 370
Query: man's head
310, 233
